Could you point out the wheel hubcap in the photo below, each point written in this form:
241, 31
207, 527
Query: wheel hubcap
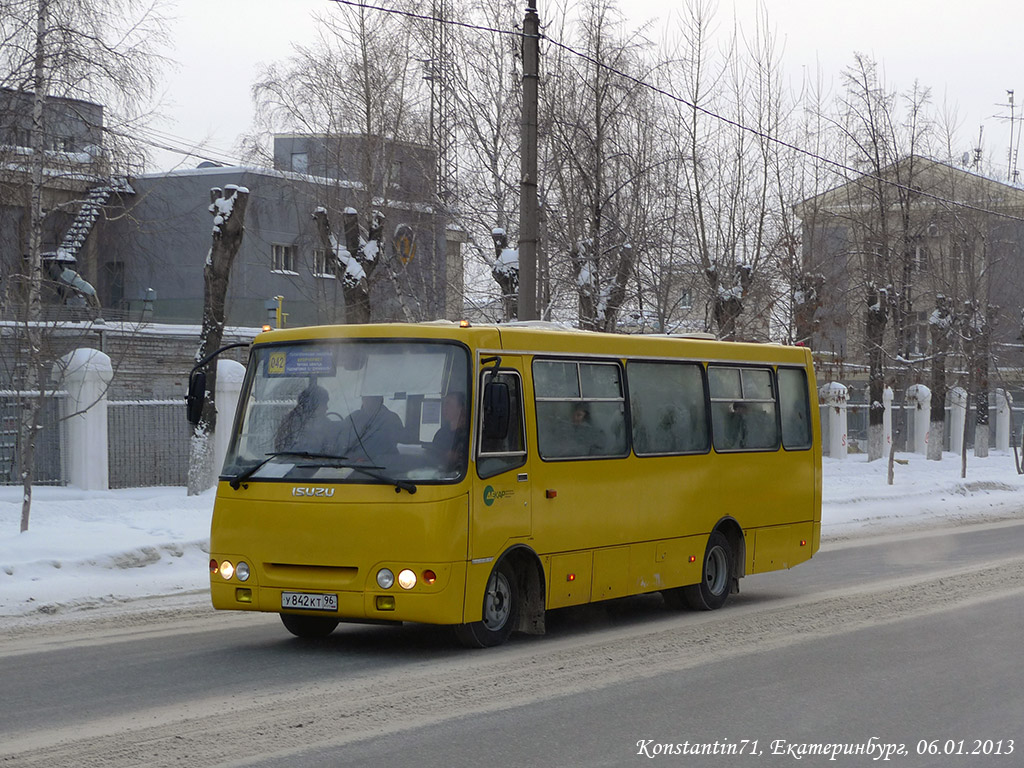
498, 603
716, 571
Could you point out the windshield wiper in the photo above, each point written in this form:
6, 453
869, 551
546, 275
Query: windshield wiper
238, 479
367, 469
400, 485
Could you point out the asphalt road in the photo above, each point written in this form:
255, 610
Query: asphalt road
879, 645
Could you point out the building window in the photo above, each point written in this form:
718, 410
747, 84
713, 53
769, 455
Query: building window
282, 258
300, 162
320, 265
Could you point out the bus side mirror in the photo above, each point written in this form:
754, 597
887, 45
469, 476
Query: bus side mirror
195, 397
496, 410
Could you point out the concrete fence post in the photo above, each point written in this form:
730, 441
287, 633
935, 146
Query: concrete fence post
957, 417
834, 395
85, 375
887, 397
919, 398
1003, 402
229, 385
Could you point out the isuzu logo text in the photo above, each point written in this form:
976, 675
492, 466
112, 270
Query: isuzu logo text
300, 490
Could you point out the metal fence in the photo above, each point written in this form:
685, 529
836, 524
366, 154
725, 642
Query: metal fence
148, 443
49, 469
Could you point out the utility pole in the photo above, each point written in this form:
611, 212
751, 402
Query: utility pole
528, 207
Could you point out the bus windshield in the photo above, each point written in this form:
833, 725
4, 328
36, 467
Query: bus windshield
353, 411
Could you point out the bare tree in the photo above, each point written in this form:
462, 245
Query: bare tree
485, 84
599, 160
59, 50
738, 181
886, 145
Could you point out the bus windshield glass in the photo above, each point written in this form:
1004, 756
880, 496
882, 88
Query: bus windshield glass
353, 411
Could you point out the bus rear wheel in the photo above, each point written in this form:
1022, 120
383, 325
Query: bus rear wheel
713, 589
500, 612
716, 578
308, 627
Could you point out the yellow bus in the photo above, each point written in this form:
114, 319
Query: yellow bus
479, 476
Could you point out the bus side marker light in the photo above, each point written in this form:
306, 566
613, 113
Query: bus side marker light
550, 493
570, 577
429, 577
693, 558
243, 594
803, 542
385, 602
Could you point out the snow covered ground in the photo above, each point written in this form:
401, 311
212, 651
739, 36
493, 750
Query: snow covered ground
87, 550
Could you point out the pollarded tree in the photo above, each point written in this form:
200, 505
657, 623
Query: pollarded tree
360, 79
227, 206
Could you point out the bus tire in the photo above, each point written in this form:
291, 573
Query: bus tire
500, 612
308, 627
716, 576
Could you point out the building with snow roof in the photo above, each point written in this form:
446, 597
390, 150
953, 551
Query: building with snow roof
156, 242
928, 239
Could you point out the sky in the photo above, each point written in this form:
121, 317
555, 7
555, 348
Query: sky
968, 54
90, 551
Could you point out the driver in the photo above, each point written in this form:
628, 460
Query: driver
306, 426
373, 431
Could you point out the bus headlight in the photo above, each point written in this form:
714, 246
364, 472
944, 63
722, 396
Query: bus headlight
407, 579
227, 570
385, 578
242, 571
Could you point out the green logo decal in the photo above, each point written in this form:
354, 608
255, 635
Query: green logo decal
491, 495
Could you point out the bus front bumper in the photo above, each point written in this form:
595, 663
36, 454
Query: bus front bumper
442, 602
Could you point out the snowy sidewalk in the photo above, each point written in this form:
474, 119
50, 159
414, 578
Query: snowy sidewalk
94, 549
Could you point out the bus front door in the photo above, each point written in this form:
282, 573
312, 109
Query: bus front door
500, 509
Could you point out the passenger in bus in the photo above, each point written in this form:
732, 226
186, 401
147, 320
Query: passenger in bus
371, 432
451, 441
587, 439
736, 426
306, 426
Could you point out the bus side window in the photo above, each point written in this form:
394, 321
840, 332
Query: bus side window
743, 410
796, 411
500, 454
580, 409
667, 407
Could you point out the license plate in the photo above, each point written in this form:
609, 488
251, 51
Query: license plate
309, 602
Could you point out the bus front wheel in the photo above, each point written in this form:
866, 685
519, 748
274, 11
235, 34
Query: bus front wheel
716, 578
500, 612
308, 627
